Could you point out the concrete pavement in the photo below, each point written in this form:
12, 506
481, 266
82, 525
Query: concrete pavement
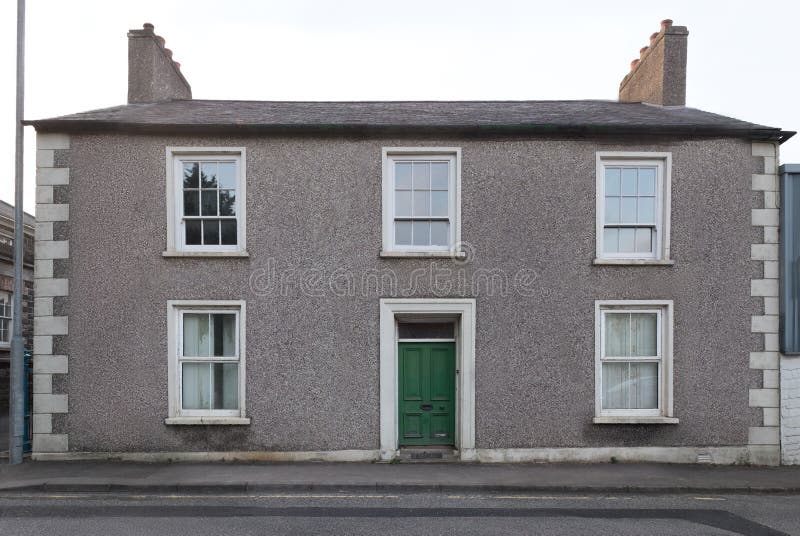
101, 476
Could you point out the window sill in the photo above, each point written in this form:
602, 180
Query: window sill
422, 254
206, 254
634, 262
203, 421
621, 419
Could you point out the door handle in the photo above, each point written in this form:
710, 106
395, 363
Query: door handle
426, 407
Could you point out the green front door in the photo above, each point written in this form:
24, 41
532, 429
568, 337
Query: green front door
427, 393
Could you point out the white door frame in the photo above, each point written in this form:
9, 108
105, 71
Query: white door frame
461, 309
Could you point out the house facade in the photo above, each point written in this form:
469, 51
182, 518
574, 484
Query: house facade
6, 299
504, 281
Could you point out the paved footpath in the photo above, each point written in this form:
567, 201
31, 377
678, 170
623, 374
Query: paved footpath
99, 476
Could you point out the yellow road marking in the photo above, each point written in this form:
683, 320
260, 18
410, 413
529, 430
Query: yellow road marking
276, 496
520, 497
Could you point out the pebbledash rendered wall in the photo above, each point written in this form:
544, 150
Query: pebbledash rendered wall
313, 357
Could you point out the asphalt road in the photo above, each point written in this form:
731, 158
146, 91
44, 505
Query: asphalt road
303, 514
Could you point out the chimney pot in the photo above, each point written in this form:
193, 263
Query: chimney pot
178, 65
642, 51
148, 26
168, 52
161, 40
653, 37
634, 63
666, 23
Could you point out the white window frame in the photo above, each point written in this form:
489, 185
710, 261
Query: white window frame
663, 164
175, 311
10, 300
664, 413
395, 154
176, 246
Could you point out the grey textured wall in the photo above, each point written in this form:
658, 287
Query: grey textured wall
312, 362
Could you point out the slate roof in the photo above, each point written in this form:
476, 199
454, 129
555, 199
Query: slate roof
584, 117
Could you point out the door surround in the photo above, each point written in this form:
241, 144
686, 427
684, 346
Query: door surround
463, 311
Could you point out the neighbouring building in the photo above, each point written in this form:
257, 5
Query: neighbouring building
507, 281
6, 299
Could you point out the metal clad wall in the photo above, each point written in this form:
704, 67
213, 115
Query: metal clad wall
790, 258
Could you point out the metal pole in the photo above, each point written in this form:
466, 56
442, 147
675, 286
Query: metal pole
17, 387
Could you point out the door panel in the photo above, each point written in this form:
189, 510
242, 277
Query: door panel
442, 370
427, 393
412, 374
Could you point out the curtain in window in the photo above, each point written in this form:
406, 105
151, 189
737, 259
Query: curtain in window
195, 335
226, 386
630, 384
196, 386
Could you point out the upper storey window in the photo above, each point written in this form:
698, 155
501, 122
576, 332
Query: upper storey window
633, 206
208, 201
421, 201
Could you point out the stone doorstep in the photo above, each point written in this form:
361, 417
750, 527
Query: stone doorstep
428, 455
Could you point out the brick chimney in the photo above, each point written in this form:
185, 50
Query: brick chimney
659, 75
152, 74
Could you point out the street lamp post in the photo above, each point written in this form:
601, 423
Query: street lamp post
17, 388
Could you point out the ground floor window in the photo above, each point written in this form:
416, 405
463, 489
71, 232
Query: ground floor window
633, 358
207, 359
5, 318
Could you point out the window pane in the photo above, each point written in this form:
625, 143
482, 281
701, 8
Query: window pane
617, 335
196, 339
612, 209
630, 386
629, 181
628, 210
209, 201
227, 175
425, 330
208, 174
610, 238
422, 203
643, 334
439, 175
227, 202
421, 233
422, 175
193, 230
402, 203
224, 334
5, 331
647, 181
627, 240
402, 233
211, 232
612, 181
191, 203
439, 203
440, 235
191, 175
647, 210
228, 232
644, 240
196, 386
402, 176
226, 386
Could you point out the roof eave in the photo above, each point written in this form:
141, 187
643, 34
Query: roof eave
78, 125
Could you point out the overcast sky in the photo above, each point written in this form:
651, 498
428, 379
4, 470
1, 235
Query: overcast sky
743, 56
